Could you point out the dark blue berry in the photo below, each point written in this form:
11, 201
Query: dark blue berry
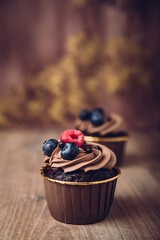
49, 146
98, 148
88, 150
85, 115
97, 118
61, 144
98, 109
69, 151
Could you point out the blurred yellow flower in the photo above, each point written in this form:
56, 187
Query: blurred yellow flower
58, 92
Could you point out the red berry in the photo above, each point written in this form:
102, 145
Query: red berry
73, 135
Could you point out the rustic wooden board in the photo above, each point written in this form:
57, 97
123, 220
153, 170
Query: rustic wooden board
135, 213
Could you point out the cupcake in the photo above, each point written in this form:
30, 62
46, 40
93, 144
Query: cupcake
104, 128
79, 178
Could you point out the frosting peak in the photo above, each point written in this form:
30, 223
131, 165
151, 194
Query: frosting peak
94, 160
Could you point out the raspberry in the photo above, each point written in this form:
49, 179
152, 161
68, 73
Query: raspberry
73, 135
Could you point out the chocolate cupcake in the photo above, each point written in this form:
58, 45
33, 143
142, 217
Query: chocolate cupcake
104, 128
79, 178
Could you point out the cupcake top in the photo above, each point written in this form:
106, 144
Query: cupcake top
99, 123
72, 153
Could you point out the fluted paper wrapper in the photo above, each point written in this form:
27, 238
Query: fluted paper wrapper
116, 144
79, 203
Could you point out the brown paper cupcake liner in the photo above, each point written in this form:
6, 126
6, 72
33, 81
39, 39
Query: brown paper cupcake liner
116, 144
79, 202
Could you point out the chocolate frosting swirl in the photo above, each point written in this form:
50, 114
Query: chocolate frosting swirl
113, 124
95, 160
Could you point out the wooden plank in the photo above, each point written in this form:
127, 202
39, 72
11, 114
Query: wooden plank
135, 213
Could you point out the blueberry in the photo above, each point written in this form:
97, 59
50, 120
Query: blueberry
98, 109
49, 146
85, 115
69, 151
61, 144
97, 117
98, 148
88, 150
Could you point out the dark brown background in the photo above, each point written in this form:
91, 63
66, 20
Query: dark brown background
33, 35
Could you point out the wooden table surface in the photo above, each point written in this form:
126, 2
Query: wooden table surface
135, 213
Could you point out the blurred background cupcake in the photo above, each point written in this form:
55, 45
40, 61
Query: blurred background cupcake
105, 128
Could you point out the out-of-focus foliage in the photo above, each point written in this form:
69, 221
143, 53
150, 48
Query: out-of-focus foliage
127, 66
58, 92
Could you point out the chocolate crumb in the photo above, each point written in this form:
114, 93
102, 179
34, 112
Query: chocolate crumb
79, 175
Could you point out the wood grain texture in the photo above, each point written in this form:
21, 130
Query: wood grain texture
135, 213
